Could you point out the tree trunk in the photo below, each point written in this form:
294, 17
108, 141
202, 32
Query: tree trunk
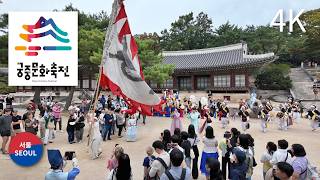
70, 97
37, 92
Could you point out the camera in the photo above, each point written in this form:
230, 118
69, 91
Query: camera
227, 135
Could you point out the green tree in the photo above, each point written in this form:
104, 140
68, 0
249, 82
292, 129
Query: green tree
274, 77
99, 20
227, 34
90, 46
4, 49
158, 73
188, 33
312, 43
4, 39
151, 60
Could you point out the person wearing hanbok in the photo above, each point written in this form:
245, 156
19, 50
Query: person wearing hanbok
132, 129
176, 121
314, 115
296, 112
283, 119
95, 138
167, 110
265, 118
194, 117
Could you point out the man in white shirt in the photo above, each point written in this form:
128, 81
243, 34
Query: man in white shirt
160, 164
281, 155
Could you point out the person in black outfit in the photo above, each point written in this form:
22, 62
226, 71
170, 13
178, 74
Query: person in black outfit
166, 139
186, 145
71, 127
213, 167
16, 120
79, 127
1, 103
234, 137
9, 100
193, 141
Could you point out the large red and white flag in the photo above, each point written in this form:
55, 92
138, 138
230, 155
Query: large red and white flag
121, 70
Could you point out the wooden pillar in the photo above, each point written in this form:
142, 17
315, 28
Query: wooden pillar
232, 79
247, 79
175, 82
211, 81
193, 83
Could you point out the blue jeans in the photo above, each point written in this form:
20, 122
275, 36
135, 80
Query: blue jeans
70, 135
106, 130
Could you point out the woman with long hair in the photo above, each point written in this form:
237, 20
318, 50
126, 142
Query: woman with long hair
210, 149
166, 138
194, 140
234, 137
213, 169
123, 171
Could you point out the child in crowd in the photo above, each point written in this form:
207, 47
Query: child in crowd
148, 161
113, 161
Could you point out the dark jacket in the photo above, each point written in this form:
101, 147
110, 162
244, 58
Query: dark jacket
186, 145
238, 171
108, 118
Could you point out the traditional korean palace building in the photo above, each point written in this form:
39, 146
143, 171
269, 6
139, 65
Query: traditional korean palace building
221, 69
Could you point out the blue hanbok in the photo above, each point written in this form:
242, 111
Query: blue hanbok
132, 130
194, 117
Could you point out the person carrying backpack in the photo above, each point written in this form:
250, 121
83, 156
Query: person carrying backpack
176, 172
244, 143
161, 163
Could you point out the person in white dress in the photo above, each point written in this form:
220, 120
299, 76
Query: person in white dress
96, 139
132, 129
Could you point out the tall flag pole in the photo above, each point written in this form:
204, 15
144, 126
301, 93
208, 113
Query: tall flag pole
121, 70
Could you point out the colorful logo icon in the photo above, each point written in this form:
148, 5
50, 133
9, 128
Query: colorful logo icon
25, 149
54, 32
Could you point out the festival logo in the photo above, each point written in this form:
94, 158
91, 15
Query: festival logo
43, 49
60, 36
25, 149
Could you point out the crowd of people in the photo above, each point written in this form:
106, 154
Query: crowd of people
177, 155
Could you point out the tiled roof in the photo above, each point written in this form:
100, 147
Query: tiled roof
231, 56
